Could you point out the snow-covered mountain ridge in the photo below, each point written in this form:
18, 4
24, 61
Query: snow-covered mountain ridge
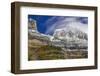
67, 36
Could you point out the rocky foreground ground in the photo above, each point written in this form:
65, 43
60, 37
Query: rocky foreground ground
40, 50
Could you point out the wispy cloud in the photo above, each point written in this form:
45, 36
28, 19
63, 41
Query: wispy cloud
61, 22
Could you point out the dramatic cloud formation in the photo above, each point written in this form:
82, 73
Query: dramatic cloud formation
48, 24
64, 22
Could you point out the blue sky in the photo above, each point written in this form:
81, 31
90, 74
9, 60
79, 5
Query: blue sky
47, 24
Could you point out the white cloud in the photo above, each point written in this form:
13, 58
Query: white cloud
49, 20
68, 21
82, 27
